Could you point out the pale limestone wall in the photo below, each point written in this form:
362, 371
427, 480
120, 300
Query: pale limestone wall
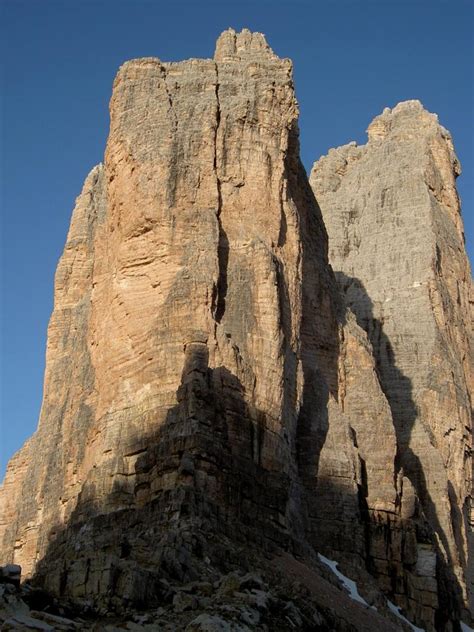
396, 245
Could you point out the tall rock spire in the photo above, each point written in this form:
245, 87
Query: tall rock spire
396, 245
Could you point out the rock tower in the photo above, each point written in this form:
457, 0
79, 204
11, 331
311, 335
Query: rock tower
210, 392
396, 245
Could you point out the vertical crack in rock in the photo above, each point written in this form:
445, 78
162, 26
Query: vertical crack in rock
172, 181
223, 243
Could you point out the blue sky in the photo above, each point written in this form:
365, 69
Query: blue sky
352, 58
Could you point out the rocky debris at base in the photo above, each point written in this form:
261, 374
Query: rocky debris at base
284, 594
10, 574
232, 604
16, 614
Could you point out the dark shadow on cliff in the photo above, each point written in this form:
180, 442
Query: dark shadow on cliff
398, 390
326, 500
196, 501
319, 339
336, 511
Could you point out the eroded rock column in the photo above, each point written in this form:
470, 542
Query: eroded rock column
396, 245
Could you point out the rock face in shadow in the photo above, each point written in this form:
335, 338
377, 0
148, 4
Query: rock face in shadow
208, 397
396, 245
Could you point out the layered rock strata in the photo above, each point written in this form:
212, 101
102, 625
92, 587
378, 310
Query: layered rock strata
396, 245
207, 394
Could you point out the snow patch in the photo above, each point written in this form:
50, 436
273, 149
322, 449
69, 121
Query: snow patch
351, 587
465, 627
396, 611
348, 584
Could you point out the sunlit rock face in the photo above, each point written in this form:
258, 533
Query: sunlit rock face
207, 393
175, 373
396, 245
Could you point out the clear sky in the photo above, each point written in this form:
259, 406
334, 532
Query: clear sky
351, 59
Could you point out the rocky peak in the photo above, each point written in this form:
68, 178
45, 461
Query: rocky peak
397, 248
232, 46
404, 122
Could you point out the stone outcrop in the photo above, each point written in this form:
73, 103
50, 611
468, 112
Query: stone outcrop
208, 399
396, 245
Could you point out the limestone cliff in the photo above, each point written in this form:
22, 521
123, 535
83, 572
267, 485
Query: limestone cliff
207, 393
396, 245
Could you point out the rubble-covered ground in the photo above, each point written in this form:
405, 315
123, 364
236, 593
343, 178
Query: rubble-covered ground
281, 594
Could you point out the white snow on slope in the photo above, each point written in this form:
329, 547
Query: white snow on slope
350, 585
396, 611
466, 628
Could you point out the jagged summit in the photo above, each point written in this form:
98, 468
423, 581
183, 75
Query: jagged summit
407, 122
402, 121
232, 46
